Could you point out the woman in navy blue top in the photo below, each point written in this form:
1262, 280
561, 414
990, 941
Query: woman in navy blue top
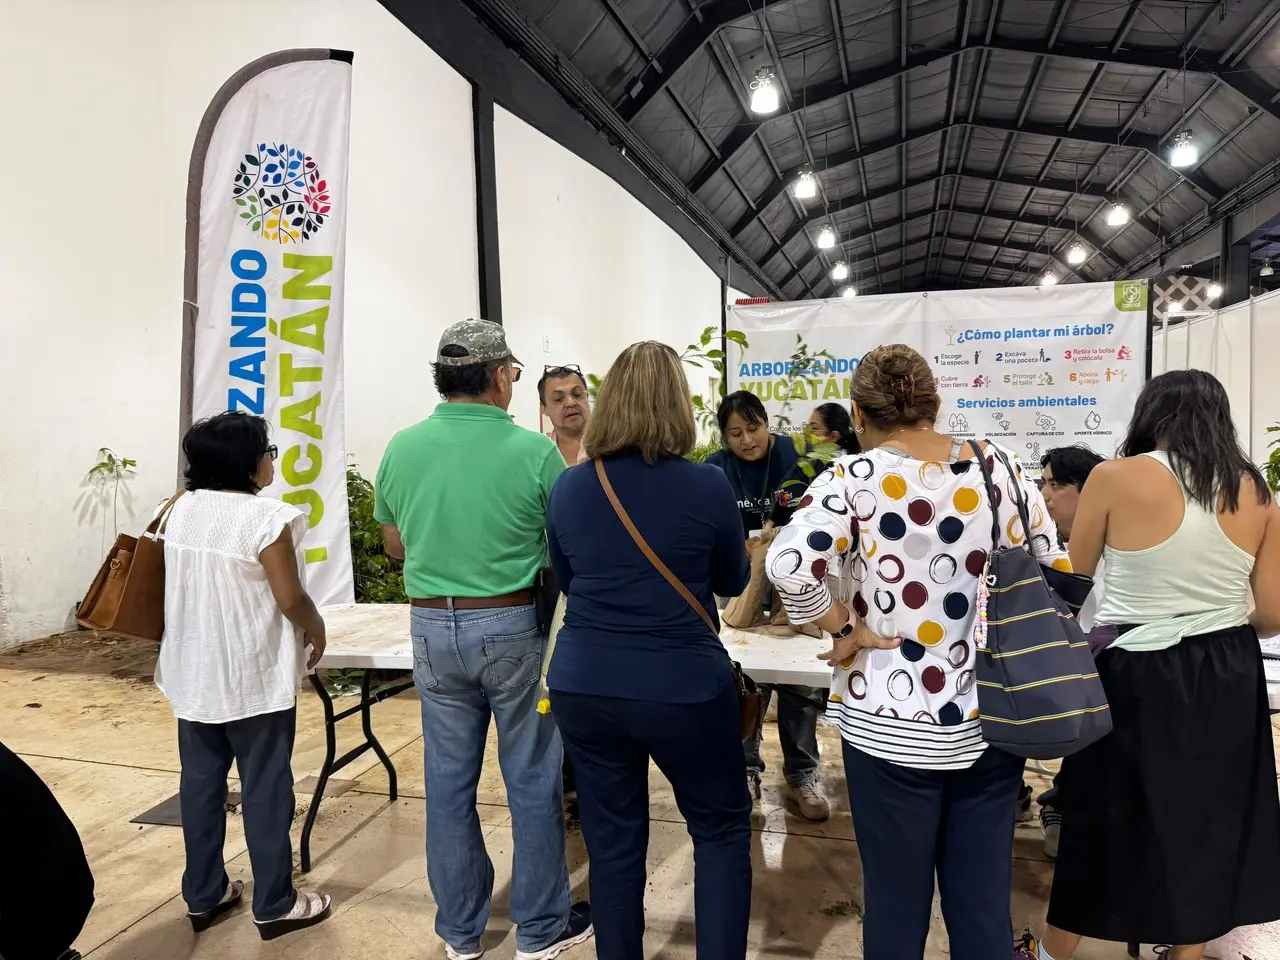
636, 673
762, 469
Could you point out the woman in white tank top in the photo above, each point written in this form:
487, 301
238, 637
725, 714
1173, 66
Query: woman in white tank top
1171, 825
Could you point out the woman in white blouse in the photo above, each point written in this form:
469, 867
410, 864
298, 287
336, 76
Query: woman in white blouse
240, 632
909, 521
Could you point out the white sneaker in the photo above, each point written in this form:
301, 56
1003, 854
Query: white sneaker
577, 930
812, 800
453, 954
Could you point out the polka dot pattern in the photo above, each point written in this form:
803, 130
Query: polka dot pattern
894, 486
912, 539
914, 595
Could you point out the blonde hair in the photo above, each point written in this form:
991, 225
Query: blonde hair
643, 405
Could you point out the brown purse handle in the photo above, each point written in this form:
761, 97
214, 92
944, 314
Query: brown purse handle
658, 565
161, 520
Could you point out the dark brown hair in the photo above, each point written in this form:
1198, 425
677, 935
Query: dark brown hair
894, 387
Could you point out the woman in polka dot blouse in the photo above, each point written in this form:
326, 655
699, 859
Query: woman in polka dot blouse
906, 527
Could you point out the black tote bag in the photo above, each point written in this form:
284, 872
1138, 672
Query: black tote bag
1039, 694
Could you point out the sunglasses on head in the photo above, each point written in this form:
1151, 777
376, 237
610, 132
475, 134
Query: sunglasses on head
562, 370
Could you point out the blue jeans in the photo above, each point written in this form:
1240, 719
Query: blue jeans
798, 710
467, 664
914, 825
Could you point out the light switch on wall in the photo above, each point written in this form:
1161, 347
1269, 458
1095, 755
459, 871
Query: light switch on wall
546, 343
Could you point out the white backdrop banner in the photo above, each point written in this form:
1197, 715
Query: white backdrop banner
1031, 367
263, 320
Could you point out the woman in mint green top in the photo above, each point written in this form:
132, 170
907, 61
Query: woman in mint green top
1171, 826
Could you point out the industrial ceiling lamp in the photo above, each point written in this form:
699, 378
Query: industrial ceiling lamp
849, 292
1175, 308
1266, 270
764, 91
1118, 215
1048, 280
805, 186
826, 237
1213, 291
840, 271
1184, 152
1077, 254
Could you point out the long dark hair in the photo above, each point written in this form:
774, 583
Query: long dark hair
837, 421
1187, 414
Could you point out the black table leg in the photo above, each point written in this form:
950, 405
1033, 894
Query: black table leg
1135, 950
331, 765
330, 747
366, 724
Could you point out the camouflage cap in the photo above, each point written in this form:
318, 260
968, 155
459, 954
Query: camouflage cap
483, 341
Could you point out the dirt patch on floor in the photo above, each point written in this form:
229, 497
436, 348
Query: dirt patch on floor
87, 652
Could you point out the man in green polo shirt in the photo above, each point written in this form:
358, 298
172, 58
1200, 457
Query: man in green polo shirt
462, 499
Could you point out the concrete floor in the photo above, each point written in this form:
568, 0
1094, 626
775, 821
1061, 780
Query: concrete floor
83, 713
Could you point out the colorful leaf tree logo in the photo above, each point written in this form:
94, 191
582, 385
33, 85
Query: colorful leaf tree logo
281, 193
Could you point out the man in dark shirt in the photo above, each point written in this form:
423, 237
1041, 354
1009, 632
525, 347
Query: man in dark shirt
1064, 472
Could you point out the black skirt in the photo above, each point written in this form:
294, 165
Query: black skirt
1171, 824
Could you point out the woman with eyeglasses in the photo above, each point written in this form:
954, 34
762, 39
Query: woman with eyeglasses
240, 632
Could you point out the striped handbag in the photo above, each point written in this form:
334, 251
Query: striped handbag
1039, 695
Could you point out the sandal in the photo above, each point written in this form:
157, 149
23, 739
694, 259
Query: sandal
308, 910
201, 922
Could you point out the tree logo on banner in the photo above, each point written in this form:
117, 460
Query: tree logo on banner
281, 193
1131, 295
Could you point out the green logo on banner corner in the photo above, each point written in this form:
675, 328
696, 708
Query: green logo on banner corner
1131, 295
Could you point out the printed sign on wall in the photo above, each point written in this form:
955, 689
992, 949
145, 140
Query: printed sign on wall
263, 318
1029, 367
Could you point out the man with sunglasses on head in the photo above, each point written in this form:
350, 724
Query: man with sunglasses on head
462, 499
562, 392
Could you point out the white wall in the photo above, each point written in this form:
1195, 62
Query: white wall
91, 249
587, 265
1236, 345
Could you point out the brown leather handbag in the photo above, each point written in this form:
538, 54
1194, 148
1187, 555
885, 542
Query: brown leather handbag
127, 595
750, 701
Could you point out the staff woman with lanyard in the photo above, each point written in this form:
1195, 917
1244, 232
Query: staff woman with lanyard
757, 463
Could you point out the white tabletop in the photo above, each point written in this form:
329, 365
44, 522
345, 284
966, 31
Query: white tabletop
376, 636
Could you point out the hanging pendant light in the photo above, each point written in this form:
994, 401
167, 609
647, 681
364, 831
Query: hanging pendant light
1048, 280
849, 292
1077, 254
1184, 152
764, 91
1213, 291
826, 237
840, 271
1266, 270
1118, 215
805, 186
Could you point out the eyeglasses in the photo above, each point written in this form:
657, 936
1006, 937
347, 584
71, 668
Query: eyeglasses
273, 451
564, 369
515, 370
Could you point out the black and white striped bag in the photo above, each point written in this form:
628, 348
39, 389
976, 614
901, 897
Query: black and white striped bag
1039, 694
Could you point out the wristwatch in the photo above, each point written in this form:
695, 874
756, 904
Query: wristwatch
843, 631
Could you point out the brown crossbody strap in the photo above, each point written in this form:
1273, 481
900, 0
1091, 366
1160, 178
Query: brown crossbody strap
658, 565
